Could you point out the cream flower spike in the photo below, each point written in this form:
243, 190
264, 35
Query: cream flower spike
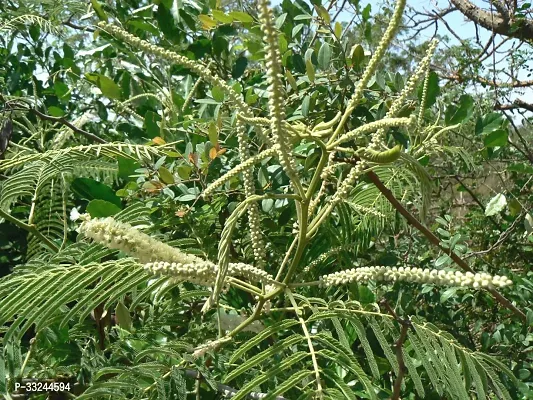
241, 168
205, 273
121, 236
387, 38
246, 167
173, 57
160, 258
418, 275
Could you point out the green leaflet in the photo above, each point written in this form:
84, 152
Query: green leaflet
288, 384
264, 355
265, 333
286, 363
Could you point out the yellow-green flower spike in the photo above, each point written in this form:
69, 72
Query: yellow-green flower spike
372, 65
409, 88
168, 55
276, 96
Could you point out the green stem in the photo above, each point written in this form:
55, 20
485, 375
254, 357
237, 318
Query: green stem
286, 258
320, 167
29, 228
321, 308
302, 241
244, 286
321, 216
309, 343
250, 319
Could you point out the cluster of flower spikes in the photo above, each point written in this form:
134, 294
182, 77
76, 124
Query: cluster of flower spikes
160, 258
244, 154
418, 275
410, 86
345, 187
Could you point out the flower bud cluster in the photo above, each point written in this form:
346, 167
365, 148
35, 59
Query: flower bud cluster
367, 210
372, 127
329, 170
347, 185
411, 84
386, 39
121, 236
249, 273
254, 220
418, 275
324, 256
316, 200
242, 167
276, 94
410, 87
205, 273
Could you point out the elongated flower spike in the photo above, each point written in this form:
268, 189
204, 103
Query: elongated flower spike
121, 236
418, 275
345, 187
423, 101
246, 165
276, 96
254, 220
205, 273
372, 66
372, 127
160, 258
173, 57
409, 88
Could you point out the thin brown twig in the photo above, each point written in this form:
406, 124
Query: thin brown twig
63, 121
398, 346
374, 178
503, 236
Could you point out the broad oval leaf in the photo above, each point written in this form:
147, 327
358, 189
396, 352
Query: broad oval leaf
100, 208
495, 205
166, 176
496, 138
207, 21
324, 56
461, 112
222, 17
310, 69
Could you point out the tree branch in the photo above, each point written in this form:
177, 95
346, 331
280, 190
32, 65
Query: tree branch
518, 103
435, 240
405, 324
63, 121
462, 78
497, 23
